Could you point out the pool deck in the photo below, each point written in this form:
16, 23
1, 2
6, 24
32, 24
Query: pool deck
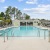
24, 43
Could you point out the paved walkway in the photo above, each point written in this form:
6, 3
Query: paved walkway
24, 43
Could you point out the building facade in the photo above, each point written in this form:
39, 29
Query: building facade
34, 22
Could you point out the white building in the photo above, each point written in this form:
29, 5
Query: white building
34, 22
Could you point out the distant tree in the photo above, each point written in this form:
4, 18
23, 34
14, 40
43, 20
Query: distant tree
8, 10
42, 19
13, 11
27, 17
18, 14
7, 16
2, 14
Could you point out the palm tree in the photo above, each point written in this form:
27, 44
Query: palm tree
2, 14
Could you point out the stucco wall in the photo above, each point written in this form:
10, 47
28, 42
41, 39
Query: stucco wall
35, 22
16, 23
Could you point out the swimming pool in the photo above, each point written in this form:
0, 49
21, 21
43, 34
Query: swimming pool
24, 31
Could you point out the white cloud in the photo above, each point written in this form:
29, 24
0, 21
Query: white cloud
5, 7
31, 1
41, 11
20, 0
2, 1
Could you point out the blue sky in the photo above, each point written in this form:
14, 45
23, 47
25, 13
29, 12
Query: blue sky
35, 8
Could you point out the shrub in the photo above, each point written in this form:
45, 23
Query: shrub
8, 21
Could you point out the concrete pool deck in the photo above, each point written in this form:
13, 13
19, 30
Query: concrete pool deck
24, 43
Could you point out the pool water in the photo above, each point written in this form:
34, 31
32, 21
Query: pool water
24, 31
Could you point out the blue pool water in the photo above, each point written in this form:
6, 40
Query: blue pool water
24, 31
